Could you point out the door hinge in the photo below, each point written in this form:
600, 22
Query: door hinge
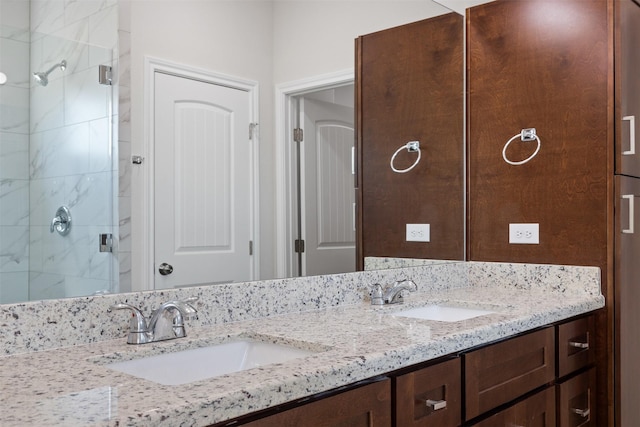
105, 75
106, 242
252, 129
250, 247
298, 246
298, 135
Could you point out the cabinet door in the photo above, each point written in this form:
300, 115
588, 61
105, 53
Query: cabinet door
499, 373
538, 410
366, 406
576, 401
430, 397
628, 68
627, 295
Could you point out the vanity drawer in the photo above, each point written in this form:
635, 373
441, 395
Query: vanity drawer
501, 372
430, 396
576, 400
365, 406
537, 410
576, 346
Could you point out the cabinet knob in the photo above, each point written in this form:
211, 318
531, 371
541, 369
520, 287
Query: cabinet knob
436, 404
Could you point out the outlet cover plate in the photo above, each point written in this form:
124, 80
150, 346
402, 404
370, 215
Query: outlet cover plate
418, 232
524, 234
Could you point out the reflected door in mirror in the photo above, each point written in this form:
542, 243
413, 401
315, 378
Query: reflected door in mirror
202, 182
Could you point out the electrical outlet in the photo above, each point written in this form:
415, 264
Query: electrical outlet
418, 232
524, 234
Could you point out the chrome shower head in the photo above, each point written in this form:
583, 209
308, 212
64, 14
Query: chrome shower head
42, 78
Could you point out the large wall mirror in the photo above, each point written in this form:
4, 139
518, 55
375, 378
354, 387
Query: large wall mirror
57, 150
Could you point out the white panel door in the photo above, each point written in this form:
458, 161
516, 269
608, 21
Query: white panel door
202, 183
329, 196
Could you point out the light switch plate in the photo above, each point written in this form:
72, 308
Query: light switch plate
524, 234
418, 232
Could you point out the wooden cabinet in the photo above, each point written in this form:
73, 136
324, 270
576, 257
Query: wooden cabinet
409, 83
538, 410
502, 372
570, 71
429, 397
576, 401
366, 406
627, 297
627, 65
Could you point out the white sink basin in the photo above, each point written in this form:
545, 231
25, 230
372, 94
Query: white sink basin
442, 313
197, 364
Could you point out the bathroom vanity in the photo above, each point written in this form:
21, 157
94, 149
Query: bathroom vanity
534, 378
367, 364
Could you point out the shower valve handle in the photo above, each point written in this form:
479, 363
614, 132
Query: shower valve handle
62, 221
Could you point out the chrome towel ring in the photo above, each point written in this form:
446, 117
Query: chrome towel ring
412, 147
526, 135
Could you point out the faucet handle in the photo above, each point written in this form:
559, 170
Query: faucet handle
189, 312
138, 323
138, 330
376, 294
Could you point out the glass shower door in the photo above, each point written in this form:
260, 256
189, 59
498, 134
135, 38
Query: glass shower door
71, 170
57, 169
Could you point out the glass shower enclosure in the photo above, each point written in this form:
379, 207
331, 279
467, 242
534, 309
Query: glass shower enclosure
57, 168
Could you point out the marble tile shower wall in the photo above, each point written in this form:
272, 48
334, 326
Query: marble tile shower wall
14, 150
124, 146
67, 154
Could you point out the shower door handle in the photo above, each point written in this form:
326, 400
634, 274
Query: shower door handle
165, 269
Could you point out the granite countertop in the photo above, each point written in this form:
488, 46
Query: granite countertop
71, 386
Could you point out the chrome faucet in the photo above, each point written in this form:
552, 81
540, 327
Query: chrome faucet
393, 294
166, 323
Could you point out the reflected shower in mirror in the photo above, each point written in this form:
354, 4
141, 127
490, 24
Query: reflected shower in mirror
56, 152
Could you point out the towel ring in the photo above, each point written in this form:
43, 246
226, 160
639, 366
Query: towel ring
526, 135
412, 147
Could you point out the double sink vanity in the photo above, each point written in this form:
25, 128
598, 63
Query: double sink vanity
294, 351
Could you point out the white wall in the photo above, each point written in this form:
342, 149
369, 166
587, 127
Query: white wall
318, 37
268, 41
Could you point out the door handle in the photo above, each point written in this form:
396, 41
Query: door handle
629, 230
165, 269
632, 135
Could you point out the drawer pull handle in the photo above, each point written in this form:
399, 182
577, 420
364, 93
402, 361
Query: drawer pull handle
630, 198
579, 344
436, 404
584, 413
632, 135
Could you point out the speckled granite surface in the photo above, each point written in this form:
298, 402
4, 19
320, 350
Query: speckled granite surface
70, 385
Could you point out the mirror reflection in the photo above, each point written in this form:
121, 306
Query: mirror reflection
278, 46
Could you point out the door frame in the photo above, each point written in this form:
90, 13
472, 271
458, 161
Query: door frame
285, 157
151, 66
